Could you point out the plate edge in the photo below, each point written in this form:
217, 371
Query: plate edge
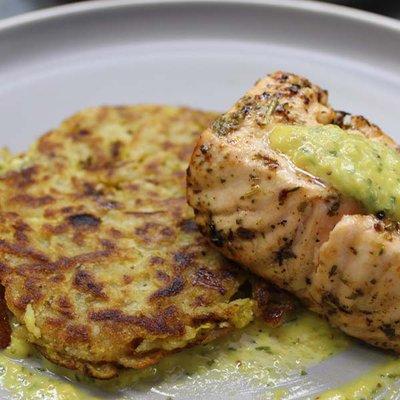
335, 10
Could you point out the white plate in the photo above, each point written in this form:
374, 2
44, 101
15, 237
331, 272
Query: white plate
201, 54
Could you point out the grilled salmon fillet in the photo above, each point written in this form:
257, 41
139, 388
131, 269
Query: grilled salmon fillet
102, 263
288, 226
357, 279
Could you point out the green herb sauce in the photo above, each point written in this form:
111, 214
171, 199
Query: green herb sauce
365, 169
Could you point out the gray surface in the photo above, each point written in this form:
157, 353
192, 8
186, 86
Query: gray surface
202, 55
14, 7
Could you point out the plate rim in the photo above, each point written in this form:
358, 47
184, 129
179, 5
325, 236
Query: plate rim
315, 7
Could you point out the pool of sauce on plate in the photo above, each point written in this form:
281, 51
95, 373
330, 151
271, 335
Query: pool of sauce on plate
263, 356
378, 381
25, 382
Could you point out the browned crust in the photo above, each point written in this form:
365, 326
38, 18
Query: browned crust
5, 329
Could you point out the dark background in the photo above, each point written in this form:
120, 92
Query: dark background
390, 8
9, 8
